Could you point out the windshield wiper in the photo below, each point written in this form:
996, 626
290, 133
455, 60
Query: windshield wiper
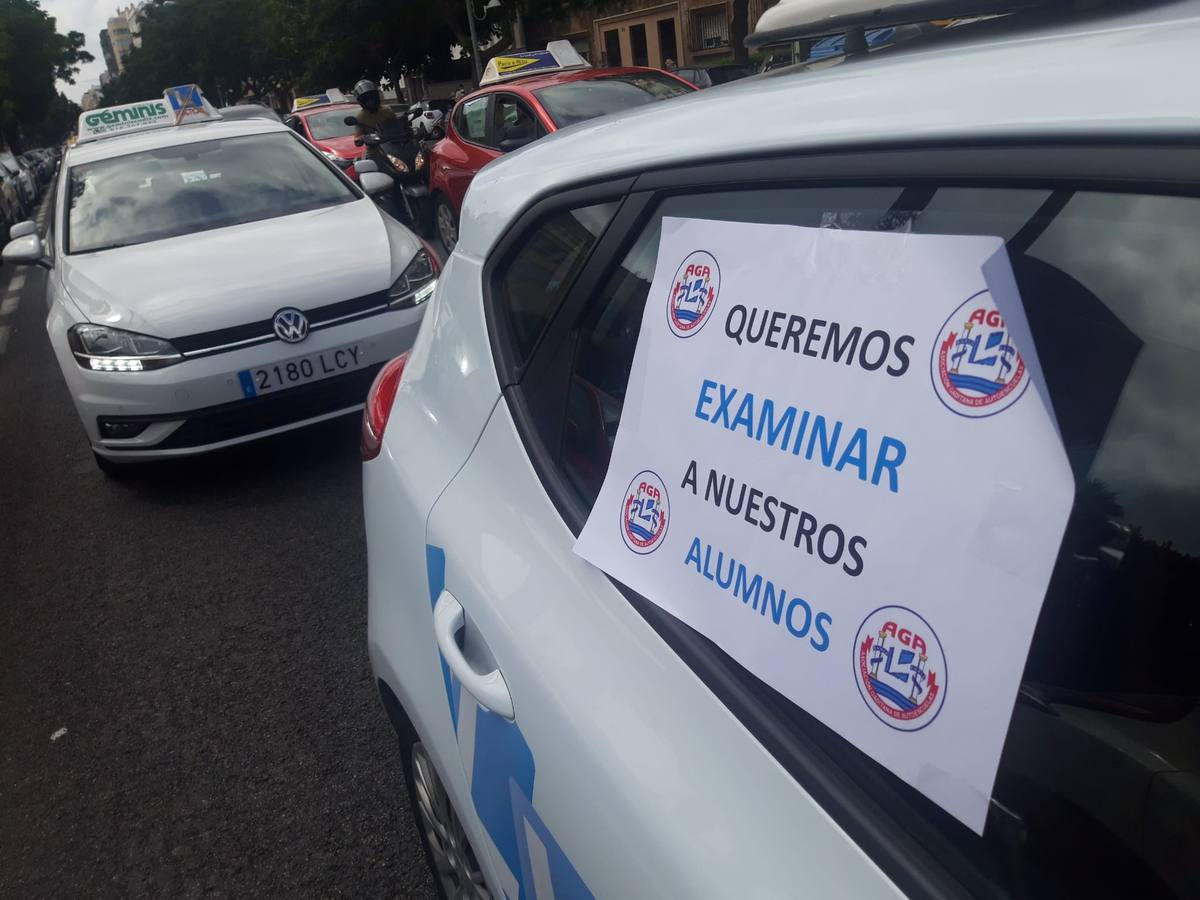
113, 246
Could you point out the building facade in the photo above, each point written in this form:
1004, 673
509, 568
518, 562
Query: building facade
110, 59
121, 38
133, 18
651, 32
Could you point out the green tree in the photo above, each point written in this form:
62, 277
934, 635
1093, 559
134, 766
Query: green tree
33, 56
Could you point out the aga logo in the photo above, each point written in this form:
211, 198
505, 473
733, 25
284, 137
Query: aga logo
645, 513
976, 369
900, 668
693, 293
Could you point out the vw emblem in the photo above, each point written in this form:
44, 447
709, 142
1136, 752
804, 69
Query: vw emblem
291, 325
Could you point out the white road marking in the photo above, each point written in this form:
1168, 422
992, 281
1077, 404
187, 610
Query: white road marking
16, 283
60, 733
4, 329
9, 305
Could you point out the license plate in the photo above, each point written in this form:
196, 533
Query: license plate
288, 373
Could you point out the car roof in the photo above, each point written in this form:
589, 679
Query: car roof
537, 82
170, 136
323, 107
1123, 75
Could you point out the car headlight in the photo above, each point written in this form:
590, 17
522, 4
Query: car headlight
419, 162
340, 161
415, 284
104, 349
397, 163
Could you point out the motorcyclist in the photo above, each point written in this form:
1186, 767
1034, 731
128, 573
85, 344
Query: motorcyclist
373, 113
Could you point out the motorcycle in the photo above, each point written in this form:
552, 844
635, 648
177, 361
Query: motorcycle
395, 152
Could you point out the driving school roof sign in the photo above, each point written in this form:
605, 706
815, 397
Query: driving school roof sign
178, 105
98, 123
557, 56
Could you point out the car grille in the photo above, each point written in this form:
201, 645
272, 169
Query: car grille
234, 338
227, 421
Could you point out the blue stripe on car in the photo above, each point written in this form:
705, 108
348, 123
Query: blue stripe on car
502, 780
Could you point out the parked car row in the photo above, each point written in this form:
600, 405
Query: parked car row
22, 179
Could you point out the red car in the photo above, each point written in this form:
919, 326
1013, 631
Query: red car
323, 125
520, 108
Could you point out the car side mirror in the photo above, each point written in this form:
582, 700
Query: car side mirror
371, 140
514, 143
21, 229
350, 120
27, 250
375, 183
362, 166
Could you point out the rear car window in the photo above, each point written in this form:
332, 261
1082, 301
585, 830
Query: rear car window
1098, 790
471, 119
533, 282
186, 188
578, 101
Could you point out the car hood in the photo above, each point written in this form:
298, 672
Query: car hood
241, 274
343, 146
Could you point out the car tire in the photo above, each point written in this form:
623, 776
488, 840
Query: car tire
448, 852
446, 223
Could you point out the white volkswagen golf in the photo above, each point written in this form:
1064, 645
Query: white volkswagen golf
211, 282
959, 653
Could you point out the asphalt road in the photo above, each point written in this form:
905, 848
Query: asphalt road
186, 707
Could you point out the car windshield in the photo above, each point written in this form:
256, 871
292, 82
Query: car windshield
187, 188
330, 124
578, 101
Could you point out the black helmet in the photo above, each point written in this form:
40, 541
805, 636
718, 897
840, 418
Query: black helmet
366, 86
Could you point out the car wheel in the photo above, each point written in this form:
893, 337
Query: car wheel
447, 224
456, 870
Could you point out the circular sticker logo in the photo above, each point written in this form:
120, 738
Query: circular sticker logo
645, 513
900, 668
975, 367
693, 293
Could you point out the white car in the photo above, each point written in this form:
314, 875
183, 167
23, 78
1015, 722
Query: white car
564, 736
216, 281
427, 118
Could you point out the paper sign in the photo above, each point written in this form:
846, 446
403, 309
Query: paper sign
834, 460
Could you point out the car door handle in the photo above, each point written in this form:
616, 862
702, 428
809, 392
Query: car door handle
488, 688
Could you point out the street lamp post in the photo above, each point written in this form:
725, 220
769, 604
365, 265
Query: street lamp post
474, 41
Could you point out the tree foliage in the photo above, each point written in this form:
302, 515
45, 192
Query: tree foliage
33, 56
309, 45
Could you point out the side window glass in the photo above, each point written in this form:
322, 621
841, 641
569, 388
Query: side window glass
530, 284
471, 119
512, 123
1097, 788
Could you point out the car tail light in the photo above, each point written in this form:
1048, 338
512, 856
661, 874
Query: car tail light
379, 406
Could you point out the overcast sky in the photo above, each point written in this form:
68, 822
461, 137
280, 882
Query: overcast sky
88, 16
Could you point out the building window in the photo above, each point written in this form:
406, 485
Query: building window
711, 28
